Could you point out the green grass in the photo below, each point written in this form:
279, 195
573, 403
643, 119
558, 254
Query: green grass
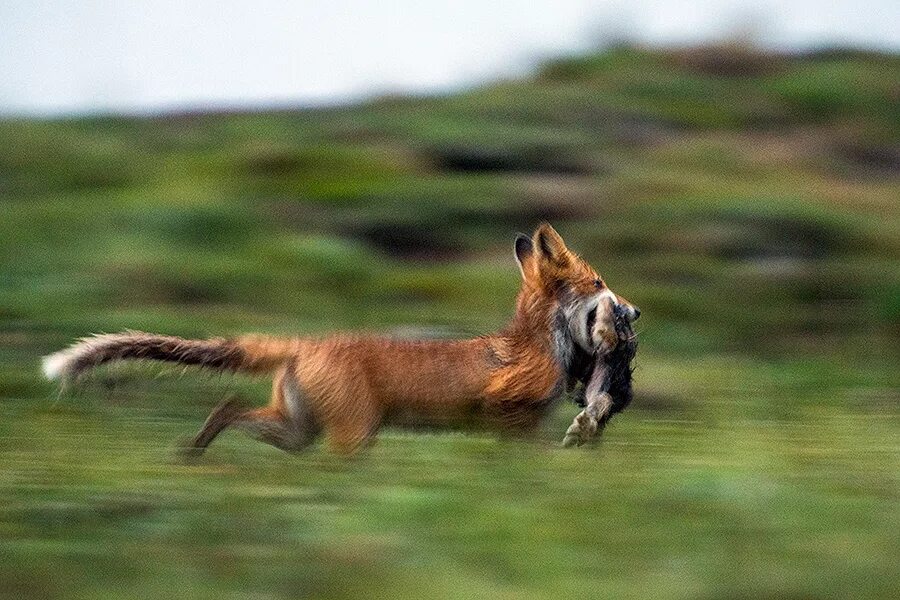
754, 218
704, 502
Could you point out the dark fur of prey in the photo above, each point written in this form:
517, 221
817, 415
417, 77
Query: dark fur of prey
619, 368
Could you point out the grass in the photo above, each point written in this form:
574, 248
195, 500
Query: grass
746, 202
682, 506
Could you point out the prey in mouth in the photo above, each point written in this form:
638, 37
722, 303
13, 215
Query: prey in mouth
607, 385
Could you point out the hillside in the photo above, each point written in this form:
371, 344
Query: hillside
748, 202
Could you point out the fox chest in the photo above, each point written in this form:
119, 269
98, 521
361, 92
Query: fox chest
534, 382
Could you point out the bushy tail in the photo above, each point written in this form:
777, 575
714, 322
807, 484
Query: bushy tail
251, 354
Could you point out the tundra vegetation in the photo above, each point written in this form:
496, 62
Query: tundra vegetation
748, 202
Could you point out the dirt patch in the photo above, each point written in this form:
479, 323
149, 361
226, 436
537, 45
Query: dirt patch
531, 159
755, 237
276, 163
878, 160
731, 61
415, 242
435, 238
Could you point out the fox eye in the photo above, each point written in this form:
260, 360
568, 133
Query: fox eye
598, 284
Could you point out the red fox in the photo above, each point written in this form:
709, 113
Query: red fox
347, 386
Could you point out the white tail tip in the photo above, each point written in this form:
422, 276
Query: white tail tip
55, 365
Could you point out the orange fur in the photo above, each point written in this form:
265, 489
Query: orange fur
350, 385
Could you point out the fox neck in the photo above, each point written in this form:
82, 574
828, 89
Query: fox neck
540, 322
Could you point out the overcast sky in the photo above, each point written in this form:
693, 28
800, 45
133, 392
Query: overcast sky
65, 56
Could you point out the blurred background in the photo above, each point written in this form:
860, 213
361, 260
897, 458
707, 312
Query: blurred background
218, 168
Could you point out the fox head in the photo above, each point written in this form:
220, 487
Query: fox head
587, 308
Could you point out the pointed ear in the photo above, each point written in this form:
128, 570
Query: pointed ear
550, 246
524, 254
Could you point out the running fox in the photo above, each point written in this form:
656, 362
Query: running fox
347, 386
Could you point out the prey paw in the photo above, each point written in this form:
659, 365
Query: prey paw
580, 431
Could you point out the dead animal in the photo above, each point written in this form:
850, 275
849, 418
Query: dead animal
606, 386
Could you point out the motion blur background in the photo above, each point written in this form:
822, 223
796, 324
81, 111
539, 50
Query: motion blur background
216, 168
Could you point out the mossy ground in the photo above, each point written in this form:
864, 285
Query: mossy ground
749, 206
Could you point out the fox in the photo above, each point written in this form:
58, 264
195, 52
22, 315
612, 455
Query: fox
347, 386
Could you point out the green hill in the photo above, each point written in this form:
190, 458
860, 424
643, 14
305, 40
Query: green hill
748, 202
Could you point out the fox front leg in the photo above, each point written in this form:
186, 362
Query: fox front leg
588, 422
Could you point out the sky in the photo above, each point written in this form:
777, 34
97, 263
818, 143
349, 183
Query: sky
91, 56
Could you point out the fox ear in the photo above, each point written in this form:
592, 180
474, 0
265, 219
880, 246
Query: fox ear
550, 245
524, 253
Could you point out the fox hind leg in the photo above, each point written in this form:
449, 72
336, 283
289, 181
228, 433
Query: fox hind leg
223, 415
287, 423
270, 426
